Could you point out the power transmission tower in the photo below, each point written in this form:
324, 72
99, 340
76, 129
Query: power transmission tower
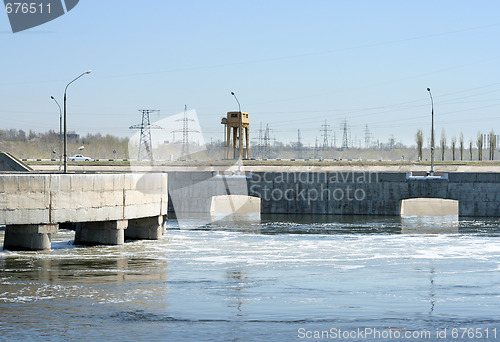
185, 134
316, 149
345, 141
299, 145
367, 137
392, 142
325, 130
267, 146
145, 147
260, 149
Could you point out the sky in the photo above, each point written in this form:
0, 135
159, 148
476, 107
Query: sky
292, 65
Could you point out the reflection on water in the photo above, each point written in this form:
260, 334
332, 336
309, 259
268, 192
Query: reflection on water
237, 281
430, 225
432, 293
256, 281
86, 271
343, 224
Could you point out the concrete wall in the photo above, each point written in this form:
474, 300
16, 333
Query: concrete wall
57, 198
193, 191
347, 192
367, 193
329, 192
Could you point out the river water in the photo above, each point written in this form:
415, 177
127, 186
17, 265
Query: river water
286, 278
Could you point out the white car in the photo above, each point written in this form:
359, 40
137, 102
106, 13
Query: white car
79, 157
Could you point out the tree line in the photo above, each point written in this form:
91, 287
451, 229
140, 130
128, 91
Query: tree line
458, 151
48, 145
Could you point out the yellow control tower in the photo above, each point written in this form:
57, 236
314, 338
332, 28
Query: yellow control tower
233, 122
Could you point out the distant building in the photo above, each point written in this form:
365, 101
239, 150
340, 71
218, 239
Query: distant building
71, 136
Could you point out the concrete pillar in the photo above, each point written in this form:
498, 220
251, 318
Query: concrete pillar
429, 207
101, 233
31, 237
147, 228
247, 136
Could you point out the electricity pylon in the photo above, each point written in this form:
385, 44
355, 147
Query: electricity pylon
145, 147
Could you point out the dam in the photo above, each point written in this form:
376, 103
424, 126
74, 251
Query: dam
109, 207
341, 192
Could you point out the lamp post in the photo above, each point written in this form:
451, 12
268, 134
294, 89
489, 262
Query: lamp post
60, 132
432, 133
240, 128
65, 124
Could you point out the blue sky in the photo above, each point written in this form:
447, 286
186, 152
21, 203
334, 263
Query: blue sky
292, 64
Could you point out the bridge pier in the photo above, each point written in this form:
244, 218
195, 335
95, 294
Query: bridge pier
101, 233
31, 237
33, 205
147, 228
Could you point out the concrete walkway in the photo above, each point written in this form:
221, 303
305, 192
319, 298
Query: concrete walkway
274, 168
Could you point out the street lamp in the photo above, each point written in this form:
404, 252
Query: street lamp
432, 133
240, 129
60, 132
65, 125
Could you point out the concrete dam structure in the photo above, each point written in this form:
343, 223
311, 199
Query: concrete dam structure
106, 208
341, 193
372, 193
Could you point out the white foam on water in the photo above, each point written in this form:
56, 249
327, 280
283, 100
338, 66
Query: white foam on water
221, 274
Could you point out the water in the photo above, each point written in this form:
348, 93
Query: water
284, 279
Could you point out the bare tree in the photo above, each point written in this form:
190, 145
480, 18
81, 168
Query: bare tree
493, 144
453, 145
443, 144
419, 138
479, 145
461, 143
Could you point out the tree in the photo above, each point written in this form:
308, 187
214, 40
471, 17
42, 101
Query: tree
32, 135
443, 144
461, 142
470, 149
21, 135
419, 138
392, 142
479, 145
453, 145
493, 144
